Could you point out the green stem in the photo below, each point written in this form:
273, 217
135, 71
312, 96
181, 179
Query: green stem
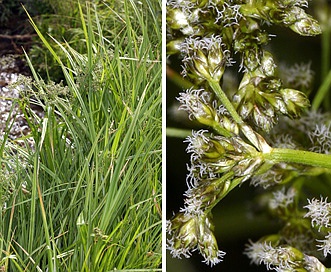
325, 37
250, 134
178, 79
228, 184
298, 156
322, 92
183, 133
178, 133
225, 101
220, 130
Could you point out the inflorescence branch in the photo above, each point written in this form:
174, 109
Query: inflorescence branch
207, 34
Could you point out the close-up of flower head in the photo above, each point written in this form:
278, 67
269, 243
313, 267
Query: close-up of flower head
254, 79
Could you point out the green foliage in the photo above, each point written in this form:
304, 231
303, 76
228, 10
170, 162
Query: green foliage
87, 196
65, 27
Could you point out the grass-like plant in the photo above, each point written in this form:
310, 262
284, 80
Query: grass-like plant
86, 196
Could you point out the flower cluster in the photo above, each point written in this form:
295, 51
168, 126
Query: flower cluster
278, 252
261, 98
193, 232
312, 131
320, 215
204, 58
297, 76
232, 147
282, 199
218, 164
214, 154
321, 138
282, 258
208, 33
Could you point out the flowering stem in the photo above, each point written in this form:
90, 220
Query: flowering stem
251, 135
228, 183
276, 154
298, 156
233, 184
225, 101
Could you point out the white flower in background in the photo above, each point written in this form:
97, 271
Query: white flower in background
319, 212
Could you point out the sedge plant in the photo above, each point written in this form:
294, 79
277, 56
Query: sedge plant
261, 131
83, 191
